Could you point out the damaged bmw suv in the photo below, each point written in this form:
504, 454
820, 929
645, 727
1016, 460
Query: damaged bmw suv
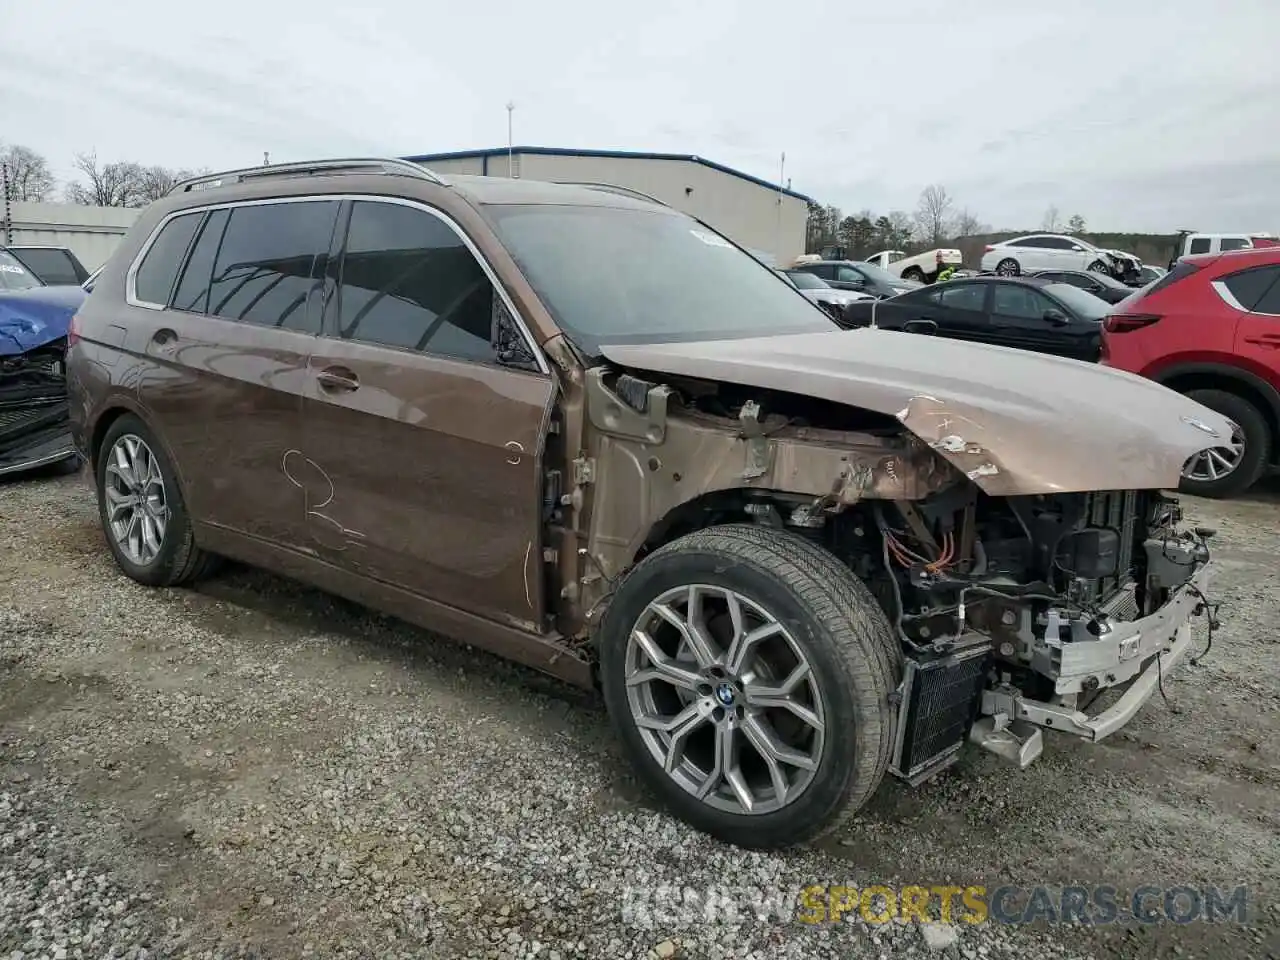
793, 558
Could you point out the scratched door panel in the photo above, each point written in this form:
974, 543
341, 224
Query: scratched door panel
427, 475
228, 359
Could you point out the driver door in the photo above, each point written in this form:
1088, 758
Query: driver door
421, 460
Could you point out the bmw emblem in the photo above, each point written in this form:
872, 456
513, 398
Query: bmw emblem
724, 693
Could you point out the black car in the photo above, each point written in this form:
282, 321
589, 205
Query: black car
1101, 285
52, 266
1030, 313
858, 276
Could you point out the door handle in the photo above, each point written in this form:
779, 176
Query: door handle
165, 338
1265, 340
338, 380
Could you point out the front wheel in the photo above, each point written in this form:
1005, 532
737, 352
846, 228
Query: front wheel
1099, 267
1229, 470
748, 675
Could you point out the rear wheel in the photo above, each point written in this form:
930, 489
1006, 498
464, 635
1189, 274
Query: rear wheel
1008, 268
913, 273
1231, 469
143, 514
748, 675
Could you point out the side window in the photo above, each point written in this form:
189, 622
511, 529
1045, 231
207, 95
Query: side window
824, 270
1233, 243
1199, 245
193, 287
158, 270
1014, 300
969, 296
264, 268
1269, 302
408, 280
1251, 287
1025, 242
849, 275
1056, 243
1084, 283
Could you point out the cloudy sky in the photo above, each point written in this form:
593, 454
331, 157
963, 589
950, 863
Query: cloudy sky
1138, 116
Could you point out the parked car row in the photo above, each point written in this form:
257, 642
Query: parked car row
1210, 328
793, 556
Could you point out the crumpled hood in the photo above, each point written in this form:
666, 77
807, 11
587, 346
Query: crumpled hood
32, 318
1015, 422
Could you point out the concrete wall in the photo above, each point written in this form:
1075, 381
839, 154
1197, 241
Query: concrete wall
744, 211
91, 233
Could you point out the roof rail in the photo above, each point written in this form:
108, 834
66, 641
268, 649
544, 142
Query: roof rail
389, 166
613, 188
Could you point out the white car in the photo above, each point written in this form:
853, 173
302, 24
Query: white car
923, 267
1052, 251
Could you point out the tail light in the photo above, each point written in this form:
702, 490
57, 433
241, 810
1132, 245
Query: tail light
73, 331
988, 248
1128, 322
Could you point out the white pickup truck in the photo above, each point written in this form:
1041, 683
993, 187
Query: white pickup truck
923, 267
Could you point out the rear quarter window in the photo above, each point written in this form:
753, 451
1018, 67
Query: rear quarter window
1249, 287
154, 279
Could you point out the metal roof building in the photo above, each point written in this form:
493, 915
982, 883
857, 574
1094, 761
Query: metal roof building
755, 213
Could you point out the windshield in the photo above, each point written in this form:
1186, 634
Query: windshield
625, 275
14, 276
1109, 281
1080, 301
807, 281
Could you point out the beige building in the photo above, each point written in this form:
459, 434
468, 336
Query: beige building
754, 213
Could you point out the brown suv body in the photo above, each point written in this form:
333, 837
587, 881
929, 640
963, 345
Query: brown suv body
505, 499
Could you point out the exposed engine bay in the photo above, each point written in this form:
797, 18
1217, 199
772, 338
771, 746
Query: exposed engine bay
1013, 613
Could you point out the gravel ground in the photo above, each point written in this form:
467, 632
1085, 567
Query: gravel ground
255, 769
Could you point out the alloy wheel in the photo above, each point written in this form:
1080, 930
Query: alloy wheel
1007, 268
1214, 464
725, 699
136, 506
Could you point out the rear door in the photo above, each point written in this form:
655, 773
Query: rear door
421, 464
1018, 320
228, 344
1258, 331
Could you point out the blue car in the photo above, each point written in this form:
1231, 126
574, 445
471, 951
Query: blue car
34, 322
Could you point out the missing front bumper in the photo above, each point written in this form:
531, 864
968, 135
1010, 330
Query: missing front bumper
1132, 657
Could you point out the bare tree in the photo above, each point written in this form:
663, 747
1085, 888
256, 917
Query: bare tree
967, 224
933, 214
1051, 222
155, 182
116, 184
28, 174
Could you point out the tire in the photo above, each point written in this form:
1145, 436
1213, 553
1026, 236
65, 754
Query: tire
178, 559
1099, 267
914, 273
1008, 267
828, 615
1256, 434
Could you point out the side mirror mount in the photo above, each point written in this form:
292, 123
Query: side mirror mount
1056, 317
509, 344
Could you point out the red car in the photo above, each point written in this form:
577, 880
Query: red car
1210, 329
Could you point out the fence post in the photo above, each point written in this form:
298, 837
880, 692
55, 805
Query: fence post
8, 210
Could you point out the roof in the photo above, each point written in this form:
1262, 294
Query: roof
505, 190
428, 158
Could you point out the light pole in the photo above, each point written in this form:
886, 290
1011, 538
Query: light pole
511, 161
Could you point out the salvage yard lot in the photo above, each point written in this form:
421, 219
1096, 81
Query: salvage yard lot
253, 768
